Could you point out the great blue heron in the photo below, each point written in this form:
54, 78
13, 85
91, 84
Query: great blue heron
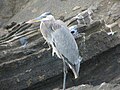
56, 33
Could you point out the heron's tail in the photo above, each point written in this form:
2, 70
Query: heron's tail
76, 67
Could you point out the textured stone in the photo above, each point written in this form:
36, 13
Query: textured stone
34, 68
25, 67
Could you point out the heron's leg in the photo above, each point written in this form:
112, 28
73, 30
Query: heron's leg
65, 72
48, 45
45, 42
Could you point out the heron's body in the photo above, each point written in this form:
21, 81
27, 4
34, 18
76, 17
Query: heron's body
67, 47
63, 43
56, 33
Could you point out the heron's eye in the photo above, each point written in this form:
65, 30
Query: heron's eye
72, 32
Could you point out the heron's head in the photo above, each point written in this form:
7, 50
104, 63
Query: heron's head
43, 17
48, 18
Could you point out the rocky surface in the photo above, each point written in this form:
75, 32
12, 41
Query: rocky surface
8, 8
31, 66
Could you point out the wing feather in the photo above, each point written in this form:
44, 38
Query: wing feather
65, 42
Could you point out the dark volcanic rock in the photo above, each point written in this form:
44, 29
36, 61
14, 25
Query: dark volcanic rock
27, 66
100, 72
98, 43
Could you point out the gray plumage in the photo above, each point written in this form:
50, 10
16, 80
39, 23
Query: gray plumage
63, 44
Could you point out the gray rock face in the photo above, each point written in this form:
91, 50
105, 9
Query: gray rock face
8, 8
98, 43
32, 67
22, 67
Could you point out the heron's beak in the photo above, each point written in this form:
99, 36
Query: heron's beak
35, 20
38, 19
